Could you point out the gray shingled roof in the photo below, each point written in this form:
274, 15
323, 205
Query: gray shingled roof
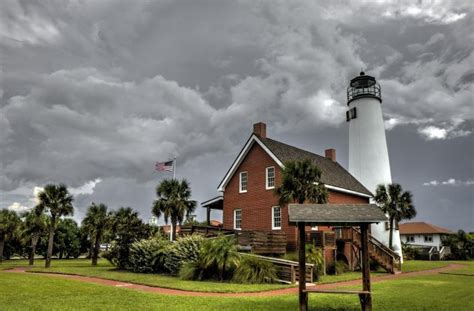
333, 214
332, 172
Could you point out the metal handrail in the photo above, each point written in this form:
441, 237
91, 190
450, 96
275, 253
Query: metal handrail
374, 90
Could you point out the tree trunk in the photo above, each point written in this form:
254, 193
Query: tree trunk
223, 268
173, 237
34, 241
2, 244
390, 239
95, 253
49, 253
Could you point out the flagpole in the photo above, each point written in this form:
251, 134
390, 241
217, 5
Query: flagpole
174, 177
174, 168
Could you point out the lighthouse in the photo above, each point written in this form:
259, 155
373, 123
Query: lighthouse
368, 154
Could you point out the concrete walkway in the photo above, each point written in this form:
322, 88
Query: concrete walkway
177, 292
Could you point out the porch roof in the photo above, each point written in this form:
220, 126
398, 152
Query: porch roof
214, 203
335, 214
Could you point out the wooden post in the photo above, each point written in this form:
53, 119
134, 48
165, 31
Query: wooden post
293, 274
303, 297
365, 300
323, 242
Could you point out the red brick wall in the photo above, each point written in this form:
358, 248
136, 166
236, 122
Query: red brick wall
256, 204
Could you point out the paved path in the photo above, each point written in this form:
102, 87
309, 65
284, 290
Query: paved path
290, 290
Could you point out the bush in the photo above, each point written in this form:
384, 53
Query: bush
341, 267
217, 259
195, 270
185, 249
315, 256
253, 270
148, 256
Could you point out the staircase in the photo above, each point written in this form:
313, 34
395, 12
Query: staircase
388, 259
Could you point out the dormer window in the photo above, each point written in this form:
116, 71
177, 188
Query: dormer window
243, 181
270, 177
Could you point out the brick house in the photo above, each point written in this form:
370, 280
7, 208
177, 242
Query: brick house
248, 201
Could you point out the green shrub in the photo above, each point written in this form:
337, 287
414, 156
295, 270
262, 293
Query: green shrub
217, 258
148, 256
184, 249
341, 267
254, 270
195, 270
221, 255
315, 256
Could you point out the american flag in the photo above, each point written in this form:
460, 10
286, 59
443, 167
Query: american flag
164, 166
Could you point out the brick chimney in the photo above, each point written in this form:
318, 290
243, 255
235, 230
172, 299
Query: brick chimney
330, 154
260, 129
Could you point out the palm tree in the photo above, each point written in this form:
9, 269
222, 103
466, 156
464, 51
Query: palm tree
125, 228
221, 253
58, 202
34, 226
95, 223
300, 183
395, 202
173, 202
9, 222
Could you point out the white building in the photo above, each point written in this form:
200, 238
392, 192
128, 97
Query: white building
423, 234
368, 154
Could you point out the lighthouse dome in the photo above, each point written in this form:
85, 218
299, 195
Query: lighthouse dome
363, 86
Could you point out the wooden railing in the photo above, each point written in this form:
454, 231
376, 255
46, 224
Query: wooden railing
257, 242
387, 258
287, 270
322, 239
262, 242
207, 231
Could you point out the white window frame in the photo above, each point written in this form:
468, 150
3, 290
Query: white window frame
428, 238
273, 218
240, 182
235, 219
266, 177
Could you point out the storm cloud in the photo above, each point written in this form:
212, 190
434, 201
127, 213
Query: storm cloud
94, 92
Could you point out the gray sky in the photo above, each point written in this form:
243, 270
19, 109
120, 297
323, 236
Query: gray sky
94, 92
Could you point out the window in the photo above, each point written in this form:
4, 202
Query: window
270, 178
351, 114
314, 228
243, 180
410, 238
428, 238
276, 218
237, 219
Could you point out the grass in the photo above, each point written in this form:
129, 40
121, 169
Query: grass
106, 271
39, 292
419, 265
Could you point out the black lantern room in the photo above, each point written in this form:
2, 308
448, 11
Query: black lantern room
363, 86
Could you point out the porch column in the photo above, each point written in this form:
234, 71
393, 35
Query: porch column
208, 216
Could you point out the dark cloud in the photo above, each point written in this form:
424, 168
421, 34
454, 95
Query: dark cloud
88, 92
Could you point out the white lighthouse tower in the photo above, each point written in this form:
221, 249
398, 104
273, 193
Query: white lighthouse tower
368, 154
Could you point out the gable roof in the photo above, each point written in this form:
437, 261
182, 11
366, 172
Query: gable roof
333, 174
422, 227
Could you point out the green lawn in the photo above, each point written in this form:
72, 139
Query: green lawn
418, 265
107, 271
39, 292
